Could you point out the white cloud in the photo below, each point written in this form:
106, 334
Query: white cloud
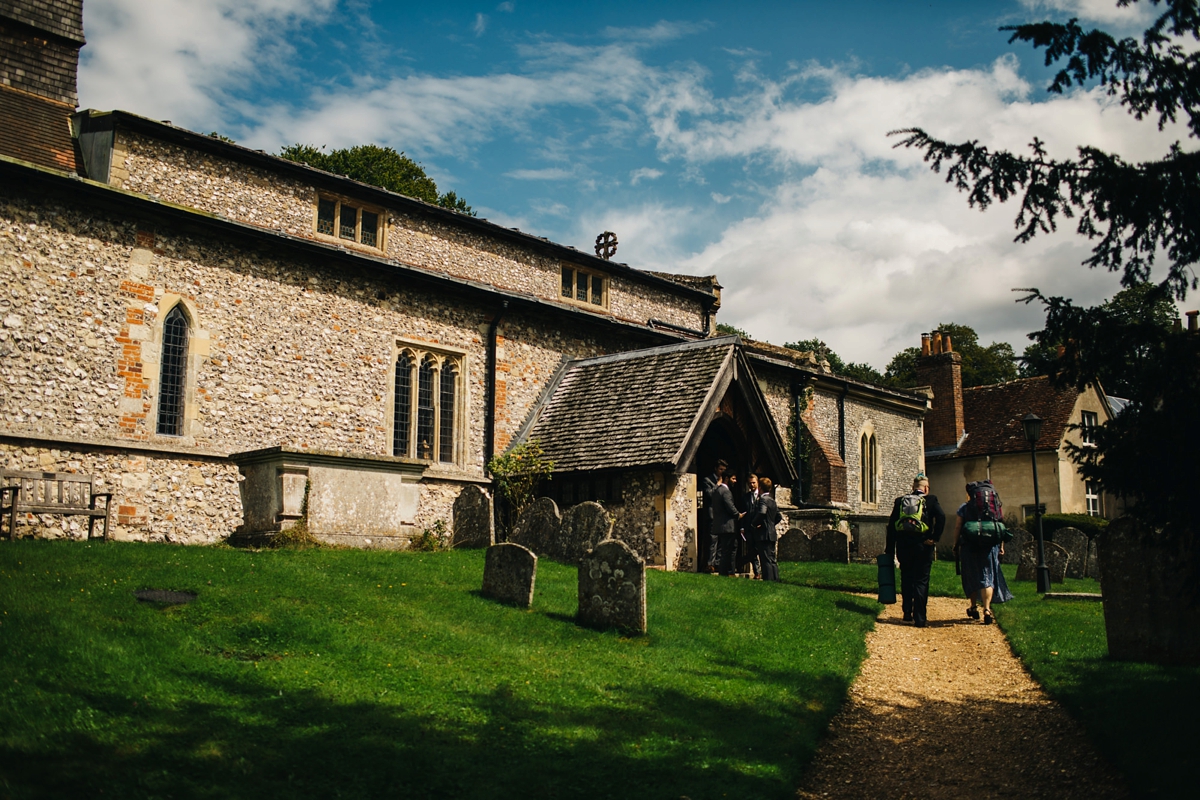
644, 173
507, 7
175, 59
480, 24
548, 174
1106, 12
721, 199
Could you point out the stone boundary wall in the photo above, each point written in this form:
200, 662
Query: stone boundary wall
260, 197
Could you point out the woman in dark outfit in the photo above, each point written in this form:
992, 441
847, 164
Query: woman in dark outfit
761, 527
916, 552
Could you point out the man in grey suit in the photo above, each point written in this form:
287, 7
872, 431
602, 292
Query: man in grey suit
725, 517
706, 518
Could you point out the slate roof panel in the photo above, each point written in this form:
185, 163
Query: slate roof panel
632, 410
993, 416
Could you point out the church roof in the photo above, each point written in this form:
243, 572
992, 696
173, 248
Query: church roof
645, 408
992, 416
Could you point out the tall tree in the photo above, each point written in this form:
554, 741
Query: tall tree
857, 370
981, 365
1135, 214
378, 166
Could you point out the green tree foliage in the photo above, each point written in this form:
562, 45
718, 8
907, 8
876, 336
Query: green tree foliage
729, 330
378, 166
858, 371
981, 366
519, 472
1145, 304
1135, 214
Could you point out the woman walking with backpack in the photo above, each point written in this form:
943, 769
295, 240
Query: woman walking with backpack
979, 542
913, 529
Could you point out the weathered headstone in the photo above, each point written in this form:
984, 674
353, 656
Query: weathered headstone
1057, 559
474, 524
612, 588
1093, 561
831, 545
1149, 583
1012, 550
583, 527
795, 546
1075, 542
509, 572
537, 526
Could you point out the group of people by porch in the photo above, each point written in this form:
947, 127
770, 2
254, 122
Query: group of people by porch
742, 524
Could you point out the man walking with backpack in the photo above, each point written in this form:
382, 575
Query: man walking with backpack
913, 530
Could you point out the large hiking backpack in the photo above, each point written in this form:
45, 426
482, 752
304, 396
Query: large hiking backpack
912, 515
983, 515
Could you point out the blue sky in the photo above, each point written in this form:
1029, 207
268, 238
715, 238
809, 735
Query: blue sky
746, 140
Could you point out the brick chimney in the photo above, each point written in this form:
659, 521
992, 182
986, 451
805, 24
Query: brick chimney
940, 368
39, 60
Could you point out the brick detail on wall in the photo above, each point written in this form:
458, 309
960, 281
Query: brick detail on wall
944, 424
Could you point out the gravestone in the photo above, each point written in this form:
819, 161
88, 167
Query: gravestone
1012, 550
795, 546
1149, 586
612, 588
831, 545
509, 572
1075, 542
1057, 559
537, 526
1093, 561
583, 527
474, 524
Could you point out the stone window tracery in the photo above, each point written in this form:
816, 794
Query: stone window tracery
349, 221
583, 286
868, 468
172, 380
427, 405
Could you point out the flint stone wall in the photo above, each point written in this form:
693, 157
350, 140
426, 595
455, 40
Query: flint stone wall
260, 197
474, 522
282, 352
638, 520
612, 588
509, 574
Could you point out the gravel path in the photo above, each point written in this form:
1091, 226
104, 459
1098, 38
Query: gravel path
949, 712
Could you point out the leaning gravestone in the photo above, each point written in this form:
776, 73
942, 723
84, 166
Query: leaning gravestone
1093, 561
537, 526
1012, 550
583, 527
831, 545
612, 588
1057, 559
795, 546
1075, 542
509, 572
474, 524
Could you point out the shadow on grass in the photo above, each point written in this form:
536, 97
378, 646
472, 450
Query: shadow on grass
857, 608
507, 742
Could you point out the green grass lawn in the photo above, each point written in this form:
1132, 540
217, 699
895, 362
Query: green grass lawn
342, 673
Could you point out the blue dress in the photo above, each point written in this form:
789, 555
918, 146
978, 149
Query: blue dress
981, 569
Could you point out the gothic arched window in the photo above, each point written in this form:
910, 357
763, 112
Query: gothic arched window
172, 381
426, 414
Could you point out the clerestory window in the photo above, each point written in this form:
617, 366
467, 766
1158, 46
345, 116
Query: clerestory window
427, 416
349, 221
583, 286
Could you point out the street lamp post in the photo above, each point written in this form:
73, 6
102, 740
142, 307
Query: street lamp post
1033, 431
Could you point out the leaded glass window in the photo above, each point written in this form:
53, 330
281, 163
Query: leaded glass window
326, 216
425, 410
584, 287
446, 409
402, 419
350, 222
173, 376
370, 229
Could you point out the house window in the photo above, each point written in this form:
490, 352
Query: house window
1089, 421
348, 221
1091, 493
584, 287
868, 468
427, 413
173, 377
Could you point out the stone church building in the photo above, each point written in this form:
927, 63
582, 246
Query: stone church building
231, 342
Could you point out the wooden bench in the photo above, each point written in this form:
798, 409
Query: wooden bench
66, 493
